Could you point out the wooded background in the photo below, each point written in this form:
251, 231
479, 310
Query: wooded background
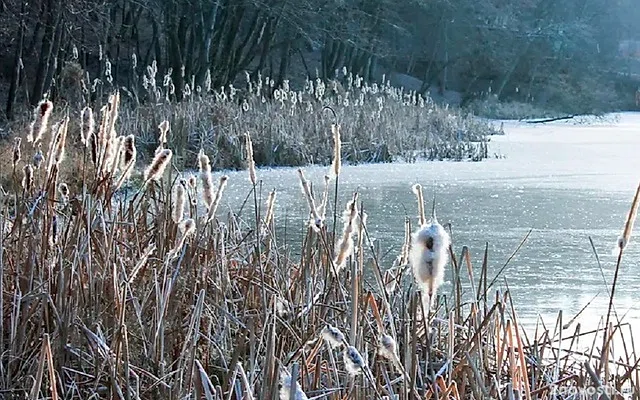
574, 55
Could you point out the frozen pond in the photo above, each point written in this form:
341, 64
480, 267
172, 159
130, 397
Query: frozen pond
567, 181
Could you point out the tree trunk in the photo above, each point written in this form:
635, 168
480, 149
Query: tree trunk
17, 66
45, 53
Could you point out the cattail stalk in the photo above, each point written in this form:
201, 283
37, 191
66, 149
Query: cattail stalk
164, 129
417, 189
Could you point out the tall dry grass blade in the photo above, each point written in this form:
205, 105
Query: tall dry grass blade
417, 190
216, 201
251, 164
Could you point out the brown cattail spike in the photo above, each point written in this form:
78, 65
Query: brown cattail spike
156, 169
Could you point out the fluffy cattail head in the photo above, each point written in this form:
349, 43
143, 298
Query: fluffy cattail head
158, 165
38, 157
164, 130
428, 256
187, 227
270, 205
316, 220
387, 347
345, 246
333, 336
207, 179
353, 361
64, 193
128, 156
17, 154
87, 125
250, 161
40, 122
179, 201
287, 387
624, 239
337, 149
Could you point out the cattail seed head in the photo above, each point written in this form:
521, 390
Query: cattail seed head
624, 239
325, 198
27, 179
269, 216
40, 122
178, 203
287, 387
87, 126
207, 179
387, 347
316, 221
128, 156
428, 256
250, 161
333, 336
64, 193
353, 361
186, 228
156, 169
337, 150
38, 157
17, 154
216, 201
345, 245
164, 129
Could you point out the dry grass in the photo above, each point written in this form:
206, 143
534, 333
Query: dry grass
105, 295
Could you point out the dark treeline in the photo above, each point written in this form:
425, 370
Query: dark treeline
564, 54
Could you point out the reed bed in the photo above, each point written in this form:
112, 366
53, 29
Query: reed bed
162, 294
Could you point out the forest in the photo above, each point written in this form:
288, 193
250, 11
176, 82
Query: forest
574, 56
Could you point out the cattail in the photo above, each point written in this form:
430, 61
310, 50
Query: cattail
38, 158
270, 205
17, 155
287, 386
353, 361
428, 256
250, 162
164, 129
27, 179
186, 228
337, 149
64, 193
325, 198
119, 153
127, 159
216, 201
316, 220
623, 240
87, 126
283, 308
333, 336
158, 165
417, 189
179, 203
387, 347
192, 184
40, 122
207, 179
345, 245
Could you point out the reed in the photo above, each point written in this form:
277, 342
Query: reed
106, 295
